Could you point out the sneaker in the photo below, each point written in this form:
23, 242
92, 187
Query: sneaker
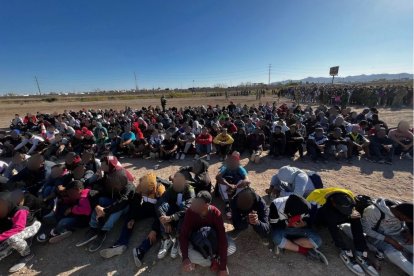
381, 161
208, 157
59, 237
97, 243
174, 249
43, 237
90, 235
182, 156
196, 157
177, 156
138, 256
388, 162
350, 262
362, 260
317, 255
21, 263
408, 156
112, 251
165, 246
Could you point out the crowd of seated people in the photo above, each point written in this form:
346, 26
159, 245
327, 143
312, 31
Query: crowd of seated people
63, 174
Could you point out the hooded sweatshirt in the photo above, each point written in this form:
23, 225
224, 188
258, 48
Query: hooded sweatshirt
389, 226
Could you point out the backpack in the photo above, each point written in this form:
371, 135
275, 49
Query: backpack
362, 202
204, 241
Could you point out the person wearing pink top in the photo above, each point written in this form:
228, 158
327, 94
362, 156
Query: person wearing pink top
16, 226
73, 211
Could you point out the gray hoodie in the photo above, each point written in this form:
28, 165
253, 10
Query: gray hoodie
389, 226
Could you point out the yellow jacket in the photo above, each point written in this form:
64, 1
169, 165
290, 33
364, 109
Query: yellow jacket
220, 138
319, 196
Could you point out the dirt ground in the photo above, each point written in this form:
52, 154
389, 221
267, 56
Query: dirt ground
251, 258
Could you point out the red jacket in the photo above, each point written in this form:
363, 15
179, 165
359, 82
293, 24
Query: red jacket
206, 139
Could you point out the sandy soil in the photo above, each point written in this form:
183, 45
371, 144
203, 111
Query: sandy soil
251, 258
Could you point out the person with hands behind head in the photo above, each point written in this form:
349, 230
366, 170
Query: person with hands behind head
203, 239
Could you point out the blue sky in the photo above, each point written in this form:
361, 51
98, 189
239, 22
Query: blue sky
78, 45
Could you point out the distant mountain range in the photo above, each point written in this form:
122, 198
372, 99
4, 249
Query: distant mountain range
358, 78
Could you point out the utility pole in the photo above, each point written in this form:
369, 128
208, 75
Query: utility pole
136, 84
38, 87
270, 68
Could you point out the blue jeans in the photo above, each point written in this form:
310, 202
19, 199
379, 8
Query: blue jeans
170, 210
203, 149
108, 222
63, 223
280, 236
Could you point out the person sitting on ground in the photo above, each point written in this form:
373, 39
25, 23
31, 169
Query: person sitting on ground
203, 239
204, 143
17, 163
335, 209
290, 180
403, 140
223, 142
36, 143
357, 142
294, 142
185, 143
17, 122
240, 140
10, 142
170, 212
143, 206
231, 177
72, 211
197, 175
256, 143
37, 170
111, 199
337, 145
248, 208
385, 225
278, 142
288, 218
126, 143
17, 224
168, 147
316, 144
154, 143
381, 147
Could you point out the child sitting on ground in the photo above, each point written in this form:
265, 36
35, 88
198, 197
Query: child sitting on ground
17, 224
